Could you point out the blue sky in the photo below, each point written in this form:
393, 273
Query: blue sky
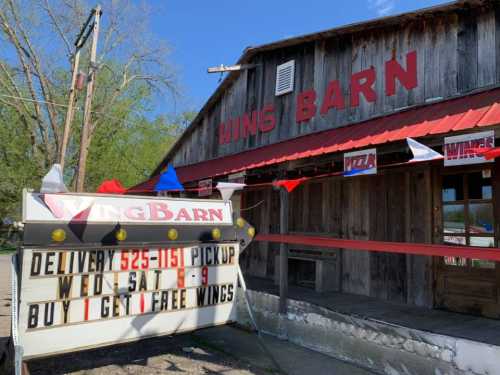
206, 33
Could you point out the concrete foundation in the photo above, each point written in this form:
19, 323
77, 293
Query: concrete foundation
383, 347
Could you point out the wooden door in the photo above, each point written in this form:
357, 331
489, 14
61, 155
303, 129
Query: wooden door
467, 214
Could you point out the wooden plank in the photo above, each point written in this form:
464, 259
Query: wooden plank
486, 53
355, 264
467, 52
497, 41
283, 251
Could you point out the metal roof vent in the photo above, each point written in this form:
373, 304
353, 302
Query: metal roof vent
284, 77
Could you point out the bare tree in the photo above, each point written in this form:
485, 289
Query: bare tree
35, 66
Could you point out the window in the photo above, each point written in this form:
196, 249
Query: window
285, 77
468, 215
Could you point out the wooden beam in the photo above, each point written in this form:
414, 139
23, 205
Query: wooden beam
283, 250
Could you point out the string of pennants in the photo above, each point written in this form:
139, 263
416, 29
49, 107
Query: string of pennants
463, 149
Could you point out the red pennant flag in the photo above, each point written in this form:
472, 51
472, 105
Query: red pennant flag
111, 187
289, 185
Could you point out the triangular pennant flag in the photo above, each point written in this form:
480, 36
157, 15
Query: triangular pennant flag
111, 187
487, 152
169, 181
289, 185
421, 152
227, 189
53, 181
78, 223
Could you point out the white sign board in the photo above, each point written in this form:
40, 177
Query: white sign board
459, 150
360, 162
125, 210
77, 299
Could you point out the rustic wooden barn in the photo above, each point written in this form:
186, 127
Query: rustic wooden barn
299, 104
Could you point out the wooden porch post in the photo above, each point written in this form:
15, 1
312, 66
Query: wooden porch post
283, 250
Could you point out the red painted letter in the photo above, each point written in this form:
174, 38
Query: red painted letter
156, 209
357, 87
408, 77
249, 124
224, 133
135, 213
267, 120
333, 97
306, 109
236, 128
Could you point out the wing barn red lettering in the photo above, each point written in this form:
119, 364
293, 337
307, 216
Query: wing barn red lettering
361, 87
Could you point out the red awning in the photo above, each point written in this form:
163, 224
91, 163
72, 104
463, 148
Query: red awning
478, 110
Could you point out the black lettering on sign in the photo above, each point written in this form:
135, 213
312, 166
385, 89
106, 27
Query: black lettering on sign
223, 294
61, 264
49, 262
71, 261
164, 300
36, 264
97, 284
65, 305
33, 316
82, 256
174, 300
49, 316
111, 254
230, 292
65, 286
99, 263
216, 255
92, 256
143, 285
132, 283
209, 255
84, 286
195, 253
104, 307
157, 282
154, 301
116, 305
231, 254
126, 297
215, 294
183, 298
200, 296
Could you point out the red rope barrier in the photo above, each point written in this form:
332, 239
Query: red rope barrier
472, 252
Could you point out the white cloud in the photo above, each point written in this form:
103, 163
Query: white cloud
382, 7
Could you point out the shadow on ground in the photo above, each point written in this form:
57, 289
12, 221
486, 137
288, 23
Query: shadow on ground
171, 355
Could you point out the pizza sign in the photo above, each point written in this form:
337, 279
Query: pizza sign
360, 162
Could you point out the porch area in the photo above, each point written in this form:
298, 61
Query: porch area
385, 336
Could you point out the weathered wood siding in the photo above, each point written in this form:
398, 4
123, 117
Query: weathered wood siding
391, 206
456, 52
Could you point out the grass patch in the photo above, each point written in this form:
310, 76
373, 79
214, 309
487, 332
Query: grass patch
6, 248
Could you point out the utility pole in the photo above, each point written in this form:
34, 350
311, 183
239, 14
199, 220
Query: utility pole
85, 136
80, 42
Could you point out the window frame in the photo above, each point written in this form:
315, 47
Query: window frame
466, 202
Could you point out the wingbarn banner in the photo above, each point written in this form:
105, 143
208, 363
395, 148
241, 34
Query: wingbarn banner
72, 299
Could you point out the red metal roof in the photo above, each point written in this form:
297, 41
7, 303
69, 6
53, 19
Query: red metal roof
477, 110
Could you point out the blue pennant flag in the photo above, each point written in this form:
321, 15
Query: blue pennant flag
169, 181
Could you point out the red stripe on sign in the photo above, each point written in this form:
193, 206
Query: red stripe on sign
386, 247
142, 303
86, 308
